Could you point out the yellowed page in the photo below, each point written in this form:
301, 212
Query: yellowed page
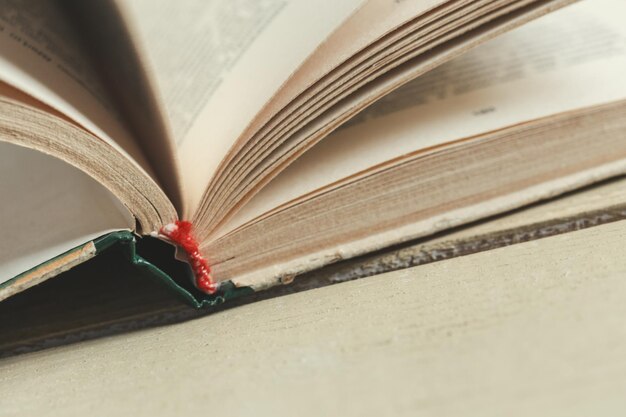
369, 23
217, 63
49, 207
41, 55
340, 95
572, 59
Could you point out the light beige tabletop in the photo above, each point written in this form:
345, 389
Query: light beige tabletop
532, 329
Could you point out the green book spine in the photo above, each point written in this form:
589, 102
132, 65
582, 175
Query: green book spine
179, 283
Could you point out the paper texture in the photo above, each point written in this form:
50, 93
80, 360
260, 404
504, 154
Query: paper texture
41, 55
212, 92
571, 59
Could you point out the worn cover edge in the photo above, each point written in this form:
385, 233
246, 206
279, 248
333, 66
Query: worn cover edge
127, 242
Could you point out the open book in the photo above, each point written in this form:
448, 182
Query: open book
273, 126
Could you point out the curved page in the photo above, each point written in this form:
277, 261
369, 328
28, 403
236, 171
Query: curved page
217, 63
49, 207
42, 55
571, 59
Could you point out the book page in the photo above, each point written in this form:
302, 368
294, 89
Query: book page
572, 59
49, 210
42, 55
391, 58
216, 64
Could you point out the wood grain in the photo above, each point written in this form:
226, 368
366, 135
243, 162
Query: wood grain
531, 329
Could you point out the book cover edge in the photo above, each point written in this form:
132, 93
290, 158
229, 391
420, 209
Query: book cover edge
127, 241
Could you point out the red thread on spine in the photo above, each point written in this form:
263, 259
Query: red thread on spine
179, 232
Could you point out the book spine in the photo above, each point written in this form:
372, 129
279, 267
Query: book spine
180, 234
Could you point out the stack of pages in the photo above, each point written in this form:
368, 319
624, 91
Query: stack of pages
293, 134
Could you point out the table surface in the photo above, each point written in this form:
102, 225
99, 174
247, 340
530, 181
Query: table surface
535, 328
